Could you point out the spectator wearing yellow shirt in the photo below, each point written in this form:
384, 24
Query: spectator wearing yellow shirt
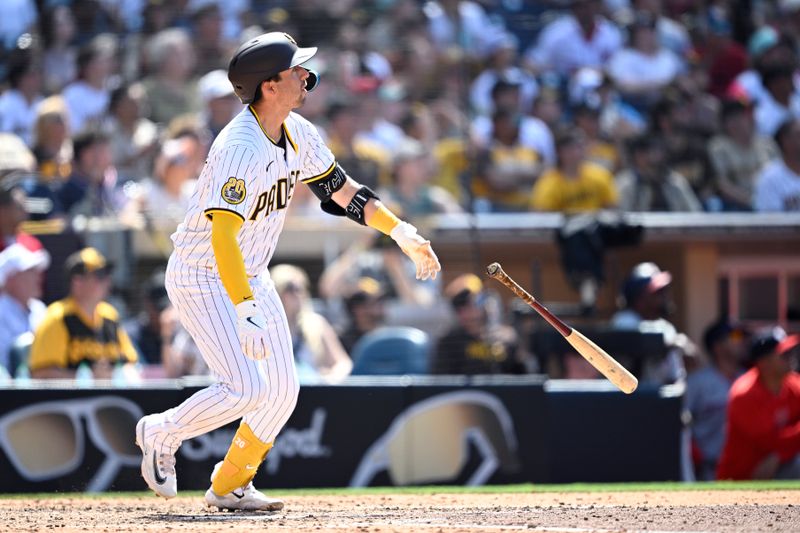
82, 328
506, 168
574, 184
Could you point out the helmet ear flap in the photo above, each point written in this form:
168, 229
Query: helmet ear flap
312, 81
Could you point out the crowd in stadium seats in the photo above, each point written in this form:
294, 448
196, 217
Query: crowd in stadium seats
108, 109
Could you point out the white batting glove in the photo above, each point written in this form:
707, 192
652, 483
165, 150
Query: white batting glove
252, 326
418, 249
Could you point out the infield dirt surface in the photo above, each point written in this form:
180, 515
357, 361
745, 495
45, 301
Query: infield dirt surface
686, 511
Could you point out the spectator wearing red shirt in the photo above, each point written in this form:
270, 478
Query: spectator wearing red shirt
762, 439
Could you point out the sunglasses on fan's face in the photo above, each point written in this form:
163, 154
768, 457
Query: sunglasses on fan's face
46, 440
461, 421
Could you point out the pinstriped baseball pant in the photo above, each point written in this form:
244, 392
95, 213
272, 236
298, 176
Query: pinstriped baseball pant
264, 393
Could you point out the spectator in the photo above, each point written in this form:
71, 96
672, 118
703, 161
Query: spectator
212, 50
767, 48
534, 133
763, 423
180, 357
461, 23
154, 327
574, 184
779, 102
219, 101
502, 65
82, 328
168, 90
671, 34
599, 149
160, 203
473, 345
361, 157
641, 70
582, 38
737, 155
674, 122
506, 168
777, 186
90, 189
51, 140
13, 214
60, 60
649, 184
15, 157
134, 139
18, 103
21, 273
722, 57
317, 350
707, 393
87, 97
646, 307
365, 310
411, 191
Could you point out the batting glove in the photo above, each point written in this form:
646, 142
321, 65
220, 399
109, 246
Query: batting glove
252, 326
418, 249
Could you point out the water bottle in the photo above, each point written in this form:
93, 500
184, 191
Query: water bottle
118, 377
23, 374
84, 376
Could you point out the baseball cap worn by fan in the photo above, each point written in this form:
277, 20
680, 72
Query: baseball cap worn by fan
463, 289
213, 85
87, 261
17, 258
645, 278
365, 289
773, 340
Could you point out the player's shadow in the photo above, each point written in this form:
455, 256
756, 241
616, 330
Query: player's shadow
215, 518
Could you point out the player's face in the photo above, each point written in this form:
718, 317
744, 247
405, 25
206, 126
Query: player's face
292, 86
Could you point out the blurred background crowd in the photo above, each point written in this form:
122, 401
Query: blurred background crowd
108, 108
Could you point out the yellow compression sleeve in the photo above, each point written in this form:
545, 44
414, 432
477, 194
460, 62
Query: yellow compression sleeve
383, 220
224, 228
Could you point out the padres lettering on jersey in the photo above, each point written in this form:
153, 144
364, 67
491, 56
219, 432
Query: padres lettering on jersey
254, 177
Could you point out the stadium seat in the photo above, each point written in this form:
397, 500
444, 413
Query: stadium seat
391, 351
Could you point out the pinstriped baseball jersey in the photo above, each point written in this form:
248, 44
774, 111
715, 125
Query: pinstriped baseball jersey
249, 174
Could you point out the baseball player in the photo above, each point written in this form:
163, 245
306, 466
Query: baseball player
217, 276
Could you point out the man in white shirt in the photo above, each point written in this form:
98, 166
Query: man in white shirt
582, 38
20, 289
18, 104
87, 97
778, 184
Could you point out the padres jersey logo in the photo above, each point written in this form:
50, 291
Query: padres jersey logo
234, 191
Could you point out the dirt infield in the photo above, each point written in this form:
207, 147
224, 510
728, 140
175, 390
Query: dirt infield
695, 511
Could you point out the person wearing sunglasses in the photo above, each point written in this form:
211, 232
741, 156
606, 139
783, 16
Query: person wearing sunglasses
83, 327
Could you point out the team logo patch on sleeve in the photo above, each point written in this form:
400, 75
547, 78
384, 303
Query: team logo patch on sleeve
234, 191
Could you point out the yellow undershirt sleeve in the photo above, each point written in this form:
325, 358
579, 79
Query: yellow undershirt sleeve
383, 220
230, 262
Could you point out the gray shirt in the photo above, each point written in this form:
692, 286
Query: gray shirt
707, 399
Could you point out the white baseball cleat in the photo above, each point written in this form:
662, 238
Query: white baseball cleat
158, 469
242, 499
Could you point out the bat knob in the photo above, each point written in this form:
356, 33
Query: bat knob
494, 269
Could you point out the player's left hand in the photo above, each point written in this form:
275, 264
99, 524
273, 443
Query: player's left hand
252, 326
418, 249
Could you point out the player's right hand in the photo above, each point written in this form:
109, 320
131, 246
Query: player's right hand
252, 326
418, 249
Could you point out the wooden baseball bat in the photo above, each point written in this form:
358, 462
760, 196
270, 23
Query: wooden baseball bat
597, 357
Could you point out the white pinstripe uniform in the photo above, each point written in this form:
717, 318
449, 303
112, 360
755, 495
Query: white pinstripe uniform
248, 174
